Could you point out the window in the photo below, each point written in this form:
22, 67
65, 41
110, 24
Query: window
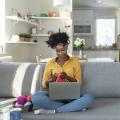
105, 29
2, 22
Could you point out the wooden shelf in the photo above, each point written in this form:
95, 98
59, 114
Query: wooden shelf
15, 18
51, 18
32, 43
82, 34
40, 35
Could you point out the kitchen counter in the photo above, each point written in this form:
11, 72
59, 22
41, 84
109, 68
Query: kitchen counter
99, 53
98, 49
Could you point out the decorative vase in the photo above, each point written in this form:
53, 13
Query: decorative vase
80, 53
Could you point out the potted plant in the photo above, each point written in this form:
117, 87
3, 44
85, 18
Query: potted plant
25, 37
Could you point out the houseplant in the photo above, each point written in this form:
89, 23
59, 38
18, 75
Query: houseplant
25, 37
79, 44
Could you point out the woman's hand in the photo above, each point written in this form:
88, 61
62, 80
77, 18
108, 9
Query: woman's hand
52, 79
63, 75
67, 78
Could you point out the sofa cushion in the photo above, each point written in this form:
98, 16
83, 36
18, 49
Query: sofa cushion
16, 78
102, 79
103, 109
6, 59
37, 81
6, 101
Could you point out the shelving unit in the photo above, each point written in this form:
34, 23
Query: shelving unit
51, 18
40, 35
82, 34
31, 43
15, 18
44, 20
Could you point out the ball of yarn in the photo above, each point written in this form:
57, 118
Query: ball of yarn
59, 79
28, 104
21, 100
18, 105
28, 98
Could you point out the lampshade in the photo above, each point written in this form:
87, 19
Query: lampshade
62, 3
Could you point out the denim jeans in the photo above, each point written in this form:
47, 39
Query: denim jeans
40, 99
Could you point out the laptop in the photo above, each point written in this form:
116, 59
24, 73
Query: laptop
64, 90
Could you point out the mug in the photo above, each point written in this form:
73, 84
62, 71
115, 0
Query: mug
15, 114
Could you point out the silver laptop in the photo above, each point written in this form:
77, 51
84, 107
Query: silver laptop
64, 90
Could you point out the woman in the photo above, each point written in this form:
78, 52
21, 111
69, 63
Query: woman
69, 69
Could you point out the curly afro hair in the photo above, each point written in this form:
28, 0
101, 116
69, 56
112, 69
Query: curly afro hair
57, 38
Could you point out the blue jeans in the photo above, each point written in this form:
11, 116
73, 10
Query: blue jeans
41, 100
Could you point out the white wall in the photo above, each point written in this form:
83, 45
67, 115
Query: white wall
118, 21
109, 12
23, 52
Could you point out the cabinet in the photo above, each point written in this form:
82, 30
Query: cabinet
83, 22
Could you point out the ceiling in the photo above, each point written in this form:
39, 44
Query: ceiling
95, 4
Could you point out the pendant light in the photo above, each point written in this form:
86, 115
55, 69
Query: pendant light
62, 3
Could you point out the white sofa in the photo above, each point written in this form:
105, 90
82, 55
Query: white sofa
101, 79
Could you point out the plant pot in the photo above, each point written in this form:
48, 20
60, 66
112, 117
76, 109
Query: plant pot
27, 39
22, 39
80, 54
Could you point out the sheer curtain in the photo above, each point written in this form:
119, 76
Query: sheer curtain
2, 25
105, 29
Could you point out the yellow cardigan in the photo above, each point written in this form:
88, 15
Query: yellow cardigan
71, 67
